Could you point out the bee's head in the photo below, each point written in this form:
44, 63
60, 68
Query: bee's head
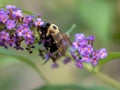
52, 29
44, 27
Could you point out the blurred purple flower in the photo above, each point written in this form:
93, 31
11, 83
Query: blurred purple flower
94, 61
54, 65
102, 53
17, 13
86, 58
66, 60
79, 36
22, 29
11, 42
39, 22
10, 24
3, 16
91, 38
27, 33
79, 64
28, 20
29, 40
4, 35
4, 38
10, 7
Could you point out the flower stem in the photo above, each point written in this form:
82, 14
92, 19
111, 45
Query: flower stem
102, 76
108, 80
33, 65
41, 75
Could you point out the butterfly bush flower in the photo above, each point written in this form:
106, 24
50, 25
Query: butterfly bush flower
39, 22
28, 20
17, 13
3, 16
10, 24
66, 60
4, 38
83, 52
8, 7
54, 65
79, 64
16, 28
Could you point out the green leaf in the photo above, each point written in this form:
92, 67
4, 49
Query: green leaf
27, 12
111, 56
98, 14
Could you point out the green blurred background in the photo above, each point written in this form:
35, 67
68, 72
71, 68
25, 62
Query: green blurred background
100, 18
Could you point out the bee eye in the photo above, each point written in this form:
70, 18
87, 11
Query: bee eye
54, 27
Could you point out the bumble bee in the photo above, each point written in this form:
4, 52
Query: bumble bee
54, 39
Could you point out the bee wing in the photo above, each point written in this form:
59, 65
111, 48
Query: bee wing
66, 38
62, 42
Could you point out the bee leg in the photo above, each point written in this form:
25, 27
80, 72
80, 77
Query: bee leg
41, 53
54, 42
46, 46
54, 59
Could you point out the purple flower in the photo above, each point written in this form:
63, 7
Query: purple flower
10, 24
27, 33
3, 16
95, 54
17, 13
86, 58
55, 65
66, 60
11, 42
74, 55
29, 40
79, 64
4, 36
28, 19
91, 38
79, 36
39, 22
88, 49
75, 45
21, 29
84, 52
38, 15
102, 53
80, 40
94, 61
81, 50
28, 36
10, 7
